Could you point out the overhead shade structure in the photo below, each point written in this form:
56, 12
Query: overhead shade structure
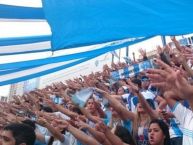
82, 30
76, 23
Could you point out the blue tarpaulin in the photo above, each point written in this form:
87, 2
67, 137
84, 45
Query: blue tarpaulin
77, 23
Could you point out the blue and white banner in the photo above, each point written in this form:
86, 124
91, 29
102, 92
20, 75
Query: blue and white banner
184, 41
80, 97
131, 70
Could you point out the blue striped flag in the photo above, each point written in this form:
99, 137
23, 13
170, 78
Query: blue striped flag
131, 70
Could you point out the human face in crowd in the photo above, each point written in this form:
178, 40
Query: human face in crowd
120, 91
7, 138
70, 105
91, 105
140, 108
145, 84
155, 135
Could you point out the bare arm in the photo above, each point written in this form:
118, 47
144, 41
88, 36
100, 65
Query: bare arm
82, 136
53, 131
99, 109
187, 68
95, 119
121, 110
177, 44
161, 101
66, 111
152, 113
114, 140
99, 136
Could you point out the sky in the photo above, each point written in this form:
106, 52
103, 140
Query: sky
14, 29
4, 90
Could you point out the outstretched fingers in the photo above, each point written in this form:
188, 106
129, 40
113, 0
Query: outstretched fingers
156, 75
160, 85
162, 65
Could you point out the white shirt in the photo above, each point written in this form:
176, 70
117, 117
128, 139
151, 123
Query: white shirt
42, 130
68, 140
148, 94
185, 117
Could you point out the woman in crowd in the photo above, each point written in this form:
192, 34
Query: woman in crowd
158, 133
140, 120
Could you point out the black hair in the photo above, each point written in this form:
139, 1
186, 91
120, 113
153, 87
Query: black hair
163, 126
165, 59
77, 110
124, 135
137, 82
30, 123
115, 87
189, 46
47, 109
22, 133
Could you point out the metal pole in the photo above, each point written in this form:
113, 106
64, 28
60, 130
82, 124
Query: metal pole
119, 55
163, 40
127, 51
112, 61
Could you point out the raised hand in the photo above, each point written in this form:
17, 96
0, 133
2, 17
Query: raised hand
41, 121
11, 117
167, 49
101, 127
173, 38
159, 49
169, 80
132, 87
100, 91
82, 125
142, 52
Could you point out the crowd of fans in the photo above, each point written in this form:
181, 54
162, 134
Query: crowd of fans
152, 108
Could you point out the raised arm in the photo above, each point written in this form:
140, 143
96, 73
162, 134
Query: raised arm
99, 109
187, 68
121, 110
66, 111
99, 136
152, 113
114, 140
88, 115
169, 80
81, 136
177, 44
161, 102
54, 132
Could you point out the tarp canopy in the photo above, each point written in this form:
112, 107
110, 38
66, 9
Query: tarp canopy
102, 26
77, 23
